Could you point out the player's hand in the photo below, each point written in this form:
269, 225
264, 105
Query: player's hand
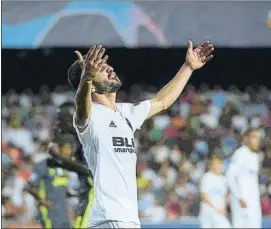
242, 203
53, 149
221, 211
198, 57
93, 64
46, 203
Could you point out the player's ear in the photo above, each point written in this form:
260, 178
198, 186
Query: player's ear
93, 89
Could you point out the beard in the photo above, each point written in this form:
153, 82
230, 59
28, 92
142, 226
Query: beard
108, 87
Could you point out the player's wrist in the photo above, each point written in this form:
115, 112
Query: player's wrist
88, 78
85, 83
188, 66
89, 82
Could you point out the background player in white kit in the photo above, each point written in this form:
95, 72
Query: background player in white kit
214, 189
242, 177
106, 130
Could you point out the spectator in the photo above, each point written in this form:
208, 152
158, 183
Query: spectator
266, 205
18, 135
174, 207
185, 189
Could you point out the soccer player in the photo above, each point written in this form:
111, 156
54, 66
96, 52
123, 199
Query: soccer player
85, 192
50, 182
106, 130
214, 189
242, 177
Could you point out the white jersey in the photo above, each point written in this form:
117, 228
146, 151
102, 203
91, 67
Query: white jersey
243, 175
243, 181
215, 187
108, 143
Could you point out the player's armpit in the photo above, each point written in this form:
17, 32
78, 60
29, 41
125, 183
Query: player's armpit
156, 107
137, 113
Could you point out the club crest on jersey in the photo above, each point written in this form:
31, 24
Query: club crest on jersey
112, 124
123, 145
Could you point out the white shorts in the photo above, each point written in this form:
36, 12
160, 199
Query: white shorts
247, 219
115, 224
214, 221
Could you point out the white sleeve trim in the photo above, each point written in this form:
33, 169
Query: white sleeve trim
77, 127
82, 134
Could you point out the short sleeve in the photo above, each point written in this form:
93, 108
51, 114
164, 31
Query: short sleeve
137, 113
83, 136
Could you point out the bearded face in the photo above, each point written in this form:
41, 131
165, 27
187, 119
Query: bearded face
107, 81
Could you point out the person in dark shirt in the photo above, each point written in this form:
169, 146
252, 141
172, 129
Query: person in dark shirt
49, 181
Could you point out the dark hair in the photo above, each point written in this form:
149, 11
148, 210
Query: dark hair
74, 74
64, 108
249, 131
66, 104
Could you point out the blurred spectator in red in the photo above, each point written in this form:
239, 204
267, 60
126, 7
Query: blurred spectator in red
266, 205
174, 208
173, 130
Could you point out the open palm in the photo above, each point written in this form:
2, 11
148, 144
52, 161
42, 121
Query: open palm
199, 56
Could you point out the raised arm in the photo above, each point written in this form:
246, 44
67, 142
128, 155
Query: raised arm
91, 67
195, 59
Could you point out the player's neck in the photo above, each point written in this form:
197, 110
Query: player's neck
250, 148
108, 100
215, 172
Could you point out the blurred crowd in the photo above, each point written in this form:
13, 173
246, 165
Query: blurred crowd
173, 147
